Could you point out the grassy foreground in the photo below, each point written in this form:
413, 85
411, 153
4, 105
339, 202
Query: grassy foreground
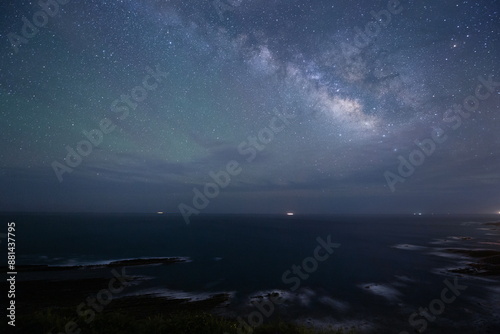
54, 321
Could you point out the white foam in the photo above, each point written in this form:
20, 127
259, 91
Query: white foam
409, 247
335, 303
490, 243
283, 295
471, 223
330, 323
178, 294
75, 262
382, 290
443, 253
405, 279
305, 296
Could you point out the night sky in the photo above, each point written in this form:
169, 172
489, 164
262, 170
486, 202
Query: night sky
317, 106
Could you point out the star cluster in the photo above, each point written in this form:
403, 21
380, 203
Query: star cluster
364, 80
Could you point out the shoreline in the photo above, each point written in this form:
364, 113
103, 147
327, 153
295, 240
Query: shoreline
72, 285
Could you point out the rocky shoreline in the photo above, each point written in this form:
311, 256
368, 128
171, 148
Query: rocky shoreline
486, 262
112, 264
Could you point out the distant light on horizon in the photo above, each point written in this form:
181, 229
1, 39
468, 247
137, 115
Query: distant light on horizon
291, 213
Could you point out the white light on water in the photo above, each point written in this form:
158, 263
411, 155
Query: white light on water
289, 213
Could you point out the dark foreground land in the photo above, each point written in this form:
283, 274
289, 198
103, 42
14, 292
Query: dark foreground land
69, 304
71, 307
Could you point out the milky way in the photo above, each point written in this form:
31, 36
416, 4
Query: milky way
392, 105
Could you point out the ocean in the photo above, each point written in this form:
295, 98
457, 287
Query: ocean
381, 270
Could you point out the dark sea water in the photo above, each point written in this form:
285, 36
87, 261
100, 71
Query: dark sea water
385, 268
